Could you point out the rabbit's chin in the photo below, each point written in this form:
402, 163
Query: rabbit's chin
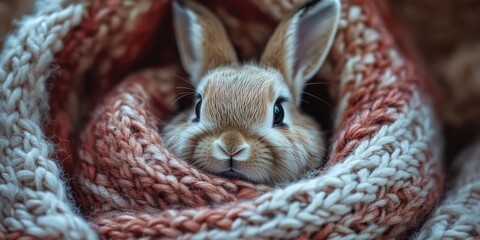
233, 174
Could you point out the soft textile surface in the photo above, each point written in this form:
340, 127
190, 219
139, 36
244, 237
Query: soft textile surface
382, 178
458, 216
32, 194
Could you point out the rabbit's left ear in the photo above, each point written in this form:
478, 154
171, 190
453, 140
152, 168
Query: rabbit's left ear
202, 39
301, 42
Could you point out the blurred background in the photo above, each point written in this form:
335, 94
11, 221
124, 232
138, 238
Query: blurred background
10, 10
445, 37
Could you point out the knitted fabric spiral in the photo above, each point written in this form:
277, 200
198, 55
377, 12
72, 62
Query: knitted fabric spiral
86, 86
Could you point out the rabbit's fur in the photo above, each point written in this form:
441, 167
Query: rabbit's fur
233, 130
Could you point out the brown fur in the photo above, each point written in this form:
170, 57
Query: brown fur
235, 133
275, 54
215, 42
236, 102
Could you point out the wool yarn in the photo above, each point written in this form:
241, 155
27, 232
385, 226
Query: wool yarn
382, 178
33, 196
458, 215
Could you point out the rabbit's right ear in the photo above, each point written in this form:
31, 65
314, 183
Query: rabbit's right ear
202, 40
302, 41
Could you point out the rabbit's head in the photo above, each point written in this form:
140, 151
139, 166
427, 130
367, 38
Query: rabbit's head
246, 122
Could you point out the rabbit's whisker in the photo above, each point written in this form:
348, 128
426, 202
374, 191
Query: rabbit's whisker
311, 95
188, 88
319, 83
204, 129
180, 97
181, 78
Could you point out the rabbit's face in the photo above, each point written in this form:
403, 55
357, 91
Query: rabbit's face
245, 124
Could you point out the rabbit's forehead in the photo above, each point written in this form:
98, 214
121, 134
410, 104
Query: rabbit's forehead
244, 94
249, 83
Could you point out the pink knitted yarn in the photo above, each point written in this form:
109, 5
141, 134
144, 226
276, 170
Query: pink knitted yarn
382, 177
124, 166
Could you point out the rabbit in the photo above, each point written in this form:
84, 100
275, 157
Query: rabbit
246, 122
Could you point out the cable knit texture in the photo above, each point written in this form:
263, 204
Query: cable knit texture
458, 215
108, 73
33, 196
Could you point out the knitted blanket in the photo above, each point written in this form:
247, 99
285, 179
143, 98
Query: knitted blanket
86, 87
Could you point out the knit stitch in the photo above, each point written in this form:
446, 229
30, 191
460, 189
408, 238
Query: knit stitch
458, 216
382, 178
33, 196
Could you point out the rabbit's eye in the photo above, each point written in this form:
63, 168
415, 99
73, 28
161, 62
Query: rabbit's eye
278, 114
197, 109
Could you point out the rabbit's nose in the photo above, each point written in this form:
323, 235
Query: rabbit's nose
231, 146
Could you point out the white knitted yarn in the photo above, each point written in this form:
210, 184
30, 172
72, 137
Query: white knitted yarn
33, 197
458, 216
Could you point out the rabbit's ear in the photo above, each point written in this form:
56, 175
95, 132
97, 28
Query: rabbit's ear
202, 40
301, 42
